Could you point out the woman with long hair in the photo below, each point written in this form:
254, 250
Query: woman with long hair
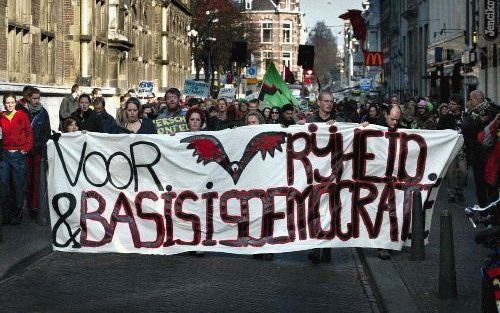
275, 116
135, 124
17, 139
266, 112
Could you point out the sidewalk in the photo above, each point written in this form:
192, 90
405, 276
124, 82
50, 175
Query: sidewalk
22, 245
410, 286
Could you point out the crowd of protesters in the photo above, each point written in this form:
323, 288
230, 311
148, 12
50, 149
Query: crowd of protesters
25, 130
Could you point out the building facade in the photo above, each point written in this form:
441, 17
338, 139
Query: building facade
488, 49
110, 44
440, 48
280, 26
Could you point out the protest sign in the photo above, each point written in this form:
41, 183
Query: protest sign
171, 124
195, 88
227, 93
145, 88
270, 190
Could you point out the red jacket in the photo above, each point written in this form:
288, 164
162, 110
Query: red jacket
489, 137
17, 133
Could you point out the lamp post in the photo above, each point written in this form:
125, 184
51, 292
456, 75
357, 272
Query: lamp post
193, 34
211, 20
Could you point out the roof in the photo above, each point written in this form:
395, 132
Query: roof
264, 5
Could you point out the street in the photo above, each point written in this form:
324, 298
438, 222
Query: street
74, 282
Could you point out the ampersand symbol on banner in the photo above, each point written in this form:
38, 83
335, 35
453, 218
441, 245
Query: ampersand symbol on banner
62, 220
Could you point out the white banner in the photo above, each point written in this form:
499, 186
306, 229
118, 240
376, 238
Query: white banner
253, 189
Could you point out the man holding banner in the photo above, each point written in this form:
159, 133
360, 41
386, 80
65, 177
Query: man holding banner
173, 119
326, 112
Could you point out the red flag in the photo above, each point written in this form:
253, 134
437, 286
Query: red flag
289, 77
358, 23
373, 58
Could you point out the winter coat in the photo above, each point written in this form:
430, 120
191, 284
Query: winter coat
89, 121
40, 123
489, 137
108, 123
16, 133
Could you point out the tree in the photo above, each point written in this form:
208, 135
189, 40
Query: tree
232, 26
325, 53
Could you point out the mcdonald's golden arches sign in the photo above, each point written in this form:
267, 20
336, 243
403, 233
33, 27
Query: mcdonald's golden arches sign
373, 58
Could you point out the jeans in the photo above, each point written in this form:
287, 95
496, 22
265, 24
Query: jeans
12, 168
33, 179
457, 175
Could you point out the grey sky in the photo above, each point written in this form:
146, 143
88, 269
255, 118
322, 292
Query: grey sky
328, 11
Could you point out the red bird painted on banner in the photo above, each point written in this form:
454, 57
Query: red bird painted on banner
209, 149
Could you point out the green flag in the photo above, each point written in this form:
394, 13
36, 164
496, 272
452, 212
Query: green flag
274, 91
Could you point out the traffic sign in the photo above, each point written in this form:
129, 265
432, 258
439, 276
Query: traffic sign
251, 72
365, 84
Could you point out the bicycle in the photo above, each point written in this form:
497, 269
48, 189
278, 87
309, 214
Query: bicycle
490, 238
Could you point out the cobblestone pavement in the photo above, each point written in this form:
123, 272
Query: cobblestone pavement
73, 282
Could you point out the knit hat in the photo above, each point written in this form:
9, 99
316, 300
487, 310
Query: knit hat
422, 104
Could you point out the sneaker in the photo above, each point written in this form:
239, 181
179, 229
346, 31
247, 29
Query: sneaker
384, 254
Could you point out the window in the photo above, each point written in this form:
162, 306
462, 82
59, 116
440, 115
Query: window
248, 4
267, 58
47, 57
287, 58
287, 33
267, 32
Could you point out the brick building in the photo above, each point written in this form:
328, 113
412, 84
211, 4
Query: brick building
109, 44
280, 24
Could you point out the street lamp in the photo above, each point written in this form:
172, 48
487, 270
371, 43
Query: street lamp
211, 20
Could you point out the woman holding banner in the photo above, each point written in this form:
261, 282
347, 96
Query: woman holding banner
195, 119
134, 124
17, 141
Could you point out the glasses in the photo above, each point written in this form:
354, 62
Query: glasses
275, 112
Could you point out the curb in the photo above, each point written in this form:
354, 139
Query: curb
389, 288
25, 262
371, 280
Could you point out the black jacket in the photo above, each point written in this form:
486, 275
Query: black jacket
40, 123
108, 123
89, 122
147, 127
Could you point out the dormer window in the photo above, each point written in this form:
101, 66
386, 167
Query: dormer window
248, 4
